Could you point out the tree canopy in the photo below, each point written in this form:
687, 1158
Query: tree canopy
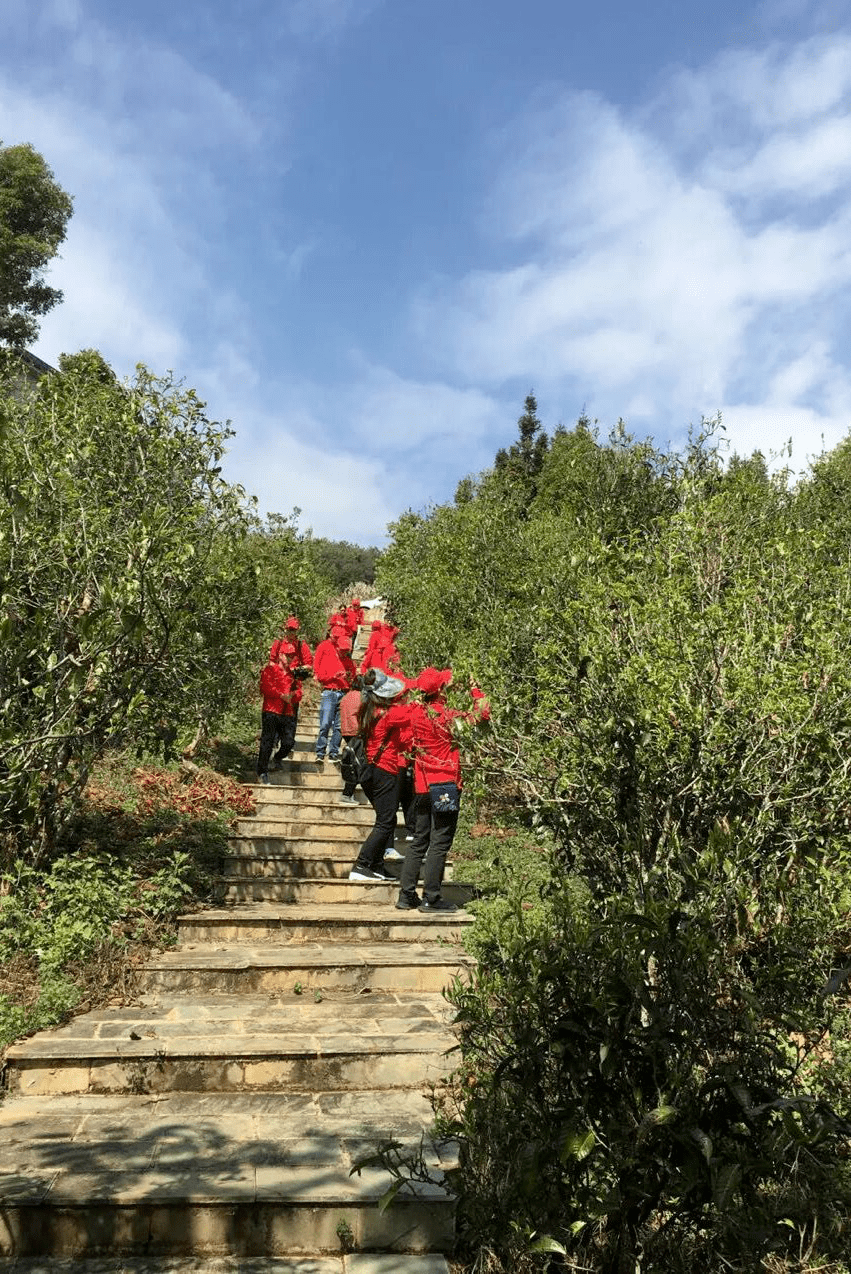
34, 213
138, 590
656, 1067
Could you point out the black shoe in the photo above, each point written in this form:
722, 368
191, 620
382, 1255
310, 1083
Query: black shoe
439, 904
407, 902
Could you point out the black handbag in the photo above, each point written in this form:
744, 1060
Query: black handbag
445, 798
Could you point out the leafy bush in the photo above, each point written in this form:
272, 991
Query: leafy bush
654, 1067
144, 844
138, 590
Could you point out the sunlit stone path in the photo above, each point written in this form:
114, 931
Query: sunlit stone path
214, 1126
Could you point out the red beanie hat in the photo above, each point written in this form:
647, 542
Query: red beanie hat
292, 622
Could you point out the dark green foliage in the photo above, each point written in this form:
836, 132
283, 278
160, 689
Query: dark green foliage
340, 563
518, 467
137, 591
663, 640
34, 212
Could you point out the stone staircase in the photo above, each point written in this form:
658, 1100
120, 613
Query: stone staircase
215, 1126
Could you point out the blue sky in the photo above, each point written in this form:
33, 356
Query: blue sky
365, 229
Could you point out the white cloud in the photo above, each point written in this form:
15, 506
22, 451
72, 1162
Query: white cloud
292, 460
408, 417
637, 276
805, 166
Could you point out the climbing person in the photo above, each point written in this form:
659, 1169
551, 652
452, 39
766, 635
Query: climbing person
349, 705
354, 617
277, 687
334, 670
300, 662
380, 719
437, 784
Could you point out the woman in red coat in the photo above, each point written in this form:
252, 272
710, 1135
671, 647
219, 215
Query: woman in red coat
380, 723
437, 784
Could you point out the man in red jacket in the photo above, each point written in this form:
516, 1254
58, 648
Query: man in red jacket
277, 688
300, 662
334, 670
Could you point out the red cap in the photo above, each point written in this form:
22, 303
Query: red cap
432, 680
292, 622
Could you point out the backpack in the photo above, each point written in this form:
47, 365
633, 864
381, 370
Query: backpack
354, 766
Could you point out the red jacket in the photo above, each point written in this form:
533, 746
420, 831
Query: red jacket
436, 756
277, 687
333, 670
299, 656
387, 738
354, 618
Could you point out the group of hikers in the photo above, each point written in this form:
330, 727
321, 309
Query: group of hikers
396, 735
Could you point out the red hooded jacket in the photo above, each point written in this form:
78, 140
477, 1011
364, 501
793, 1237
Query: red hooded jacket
332, 668
277, 687
437, 758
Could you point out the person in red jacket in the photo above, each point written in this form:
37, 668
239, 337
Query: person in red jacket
354, 617
277, 686
301, 666
334, 670
437, 784
381, 719
382, 652
349, 708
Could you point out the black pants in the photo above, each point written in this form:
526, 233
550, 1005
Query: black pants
286, 736
348, 788
433, 836
382, 789
270, 732
408, 797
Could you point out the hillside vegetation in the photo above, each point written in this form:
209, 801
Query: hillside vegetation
656, 1049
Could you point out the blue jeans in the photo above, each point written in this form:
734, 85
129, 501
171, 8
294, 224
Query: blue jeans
329, 721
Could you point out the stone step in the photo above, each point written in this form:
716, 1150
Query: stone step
353, 1263
311, 807
290, 889
308, 802
284, 889
307, 764
309, 829
288, 783
332, 864
239, 1174
344, 844
199, 968
330, 1042
335, 923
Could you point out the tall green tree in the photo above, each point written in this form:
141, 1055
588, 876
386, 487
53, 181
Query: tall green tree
34, 213
128, 603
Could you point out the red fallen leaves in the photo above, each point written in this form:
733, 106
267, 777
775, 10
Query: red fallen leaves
205, 795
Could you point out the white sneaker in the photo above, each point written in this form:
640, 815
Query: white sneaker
393, 856
347, 800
